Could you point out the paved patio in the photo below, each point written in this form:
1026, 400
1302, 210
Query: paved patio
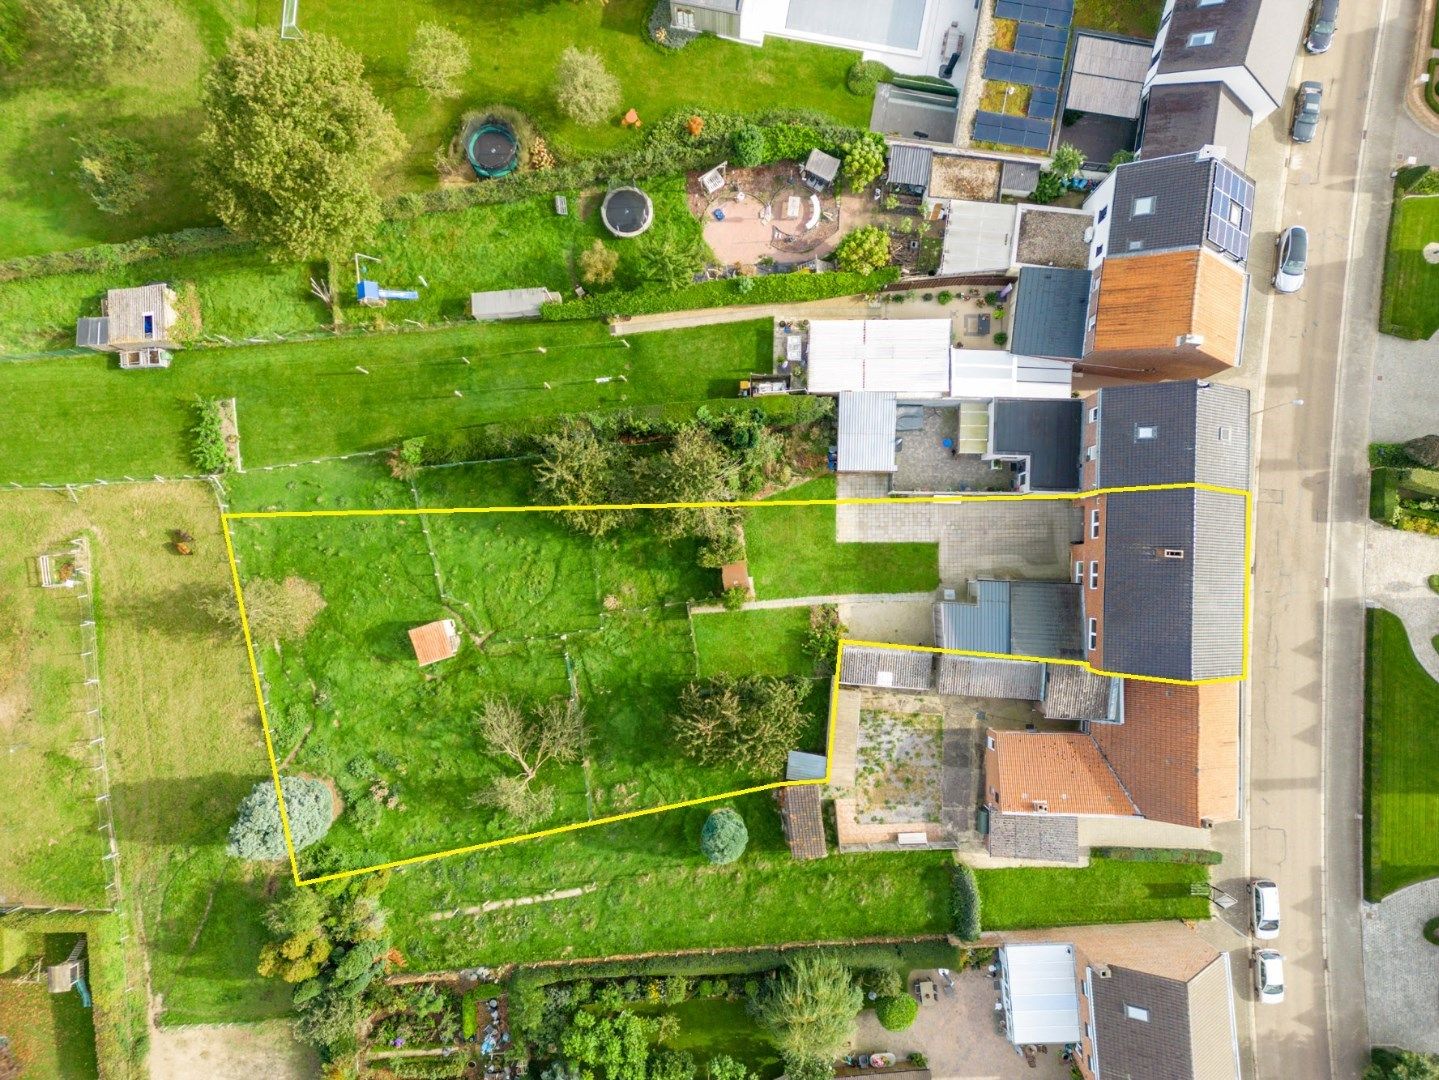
1401, 969
960, 1037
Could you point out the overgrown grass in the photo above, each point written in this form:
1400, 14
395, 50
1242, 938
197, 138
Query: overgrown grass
1401, 745
1409, 303
50, 847
792, 552
52, 1035
81, 418
1135, 18
1105, 891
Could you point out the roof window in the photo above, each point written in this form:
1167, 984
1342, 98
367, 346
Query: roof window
1203, 37
1145, 431
1143, 205
1135, 1012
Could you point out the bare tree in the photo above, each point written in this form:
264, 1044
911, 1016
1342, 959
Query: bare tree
552, 733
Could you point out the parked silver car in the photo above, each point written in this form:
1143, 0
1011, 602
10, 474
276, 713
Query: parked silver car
1323, 21
1269, 976
1306, 112
1264, 909
1291, 259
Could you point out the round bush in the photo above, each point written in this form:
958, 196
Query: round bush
864, 76
723, 837
896, 1013
1431, 931
257, 833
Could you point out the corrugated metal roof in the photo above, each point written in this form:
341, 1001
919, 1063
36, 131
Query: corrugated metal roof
980, 625
901, 669
979, 236
1051, 305
866, 432
508, 303
804, 766
1044, 619
1041, 996
822, 165
908, 356
909, 165
92, 333
1107, 75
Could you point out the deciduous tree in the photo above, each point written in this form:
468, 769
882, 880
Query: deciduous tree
598, 264
116, 172
552, 732
609, 1047
810, 1008
1068, 160
585, 91
95, 33
293, 140
578, 468
275, 610
753, 720
863, 160
439, 58
863, 250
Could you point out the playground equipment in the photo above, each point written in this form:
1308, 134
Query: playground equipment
370, 294
69, 974
492, 150
627, 211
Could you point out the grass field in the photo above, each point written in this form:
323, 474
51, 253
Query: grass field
792, 553
1409, 304
50, 848
52, 1036
514, 47
79, 418
1401, 746
1102, 892
764, 642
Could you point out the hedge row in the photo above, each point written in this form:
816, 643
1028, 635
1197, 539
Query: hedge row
793, 288
108, 256
1191, 856
964, 905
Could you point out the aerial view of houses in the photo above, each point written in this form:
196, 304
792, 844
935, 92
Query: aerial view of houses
719, 539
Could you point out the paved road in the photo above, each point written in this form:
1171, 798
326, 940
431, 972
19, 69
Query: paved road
1305, 733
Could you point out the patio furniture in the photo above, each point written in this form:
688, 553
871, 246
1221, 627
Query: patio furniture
792, 207
882, 1060
925, 991
977, 325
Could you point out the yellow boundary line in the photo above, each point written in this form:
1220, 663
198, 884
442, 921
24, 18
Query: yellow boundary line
229, 516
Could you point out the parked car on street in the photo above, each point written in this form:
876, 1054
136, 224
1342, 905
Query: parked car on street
1324, 20
1264, 909
1306, 112
1291, 259
1269, 976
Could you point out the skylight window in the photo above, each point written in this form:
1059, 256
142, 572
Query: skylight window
1134, 1012
1144, 206
1203, 37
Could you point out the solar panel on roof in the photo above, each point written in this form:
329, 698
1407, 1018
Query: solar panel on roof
1024, 70
1047, 41
1012, 130
1058, 13
1043, 104
1231, 211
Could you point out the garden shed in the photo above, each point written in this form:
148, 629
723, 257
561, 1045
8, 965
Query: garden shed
435, 641
735, 575
509, 304
135, 323
820, 169
909, 168
799, 807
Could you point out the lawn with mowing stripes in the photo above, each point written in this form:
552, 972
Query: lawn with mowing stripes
1401, 748
81, 418
1409, 304
792, 552
1105, 891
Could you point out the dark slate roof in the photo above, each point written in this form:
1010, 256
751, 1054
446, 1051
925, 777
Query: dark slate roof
1020, 176
1048, 837
1174, 618
1179, 186
1181, 118
1050, 307
1046, 431
906, 669
909, 165
1201, 435
1163, 1047
1233, 25
1044, 619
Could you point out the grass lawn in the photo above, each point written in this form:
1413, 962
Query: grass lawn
712, 1026
515, 45
1401, 745
1103, 892
52, 1036
50, 847
764, 642
79, 418
792, 552
1409, 304
1135, 18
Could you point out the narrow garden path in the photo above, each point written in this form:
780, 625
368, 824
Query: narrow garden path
815, 601
1397, 566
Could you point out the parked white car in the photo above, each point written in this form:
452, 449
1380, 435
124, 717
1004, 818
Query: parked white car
1264, 909
1269, 976
1291, 259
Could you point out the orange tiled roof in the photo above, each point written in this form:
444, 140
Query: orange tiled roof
434, 641
1063, 770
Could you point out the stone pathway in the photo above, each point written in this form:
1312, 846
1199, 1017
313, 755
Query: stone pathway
1397, 566
1401, 969
815, 601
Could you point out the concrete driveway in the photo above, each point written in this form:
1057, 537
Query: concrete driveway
960, 1037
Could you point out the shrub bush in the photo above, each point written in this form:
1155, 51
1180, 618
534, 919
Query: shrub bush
208, 451
1431, 931
257, 834
1389, 455
585, 91
864, 77
863, 251
1047, 189
882, 982
116, 172
724, 836
896, 1013
1000, 338
964, 905
1191, 856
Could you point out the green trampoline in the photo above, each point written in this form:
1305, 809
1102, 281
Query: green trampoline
492, 150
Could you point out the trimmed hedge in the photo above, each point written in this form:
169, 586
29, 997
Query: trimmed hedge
896, 1013
1431, 91
964, 904
1431, 931
108, 256
1191, 856
1384, 495
792, 288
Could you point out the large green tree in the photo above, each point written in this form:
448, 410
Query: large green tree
611, 1047
585, 91
93, 33
864, 250
439, 58
1402, 1065
752, 721
293, 140
258, 833
579, 468
810, 1008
